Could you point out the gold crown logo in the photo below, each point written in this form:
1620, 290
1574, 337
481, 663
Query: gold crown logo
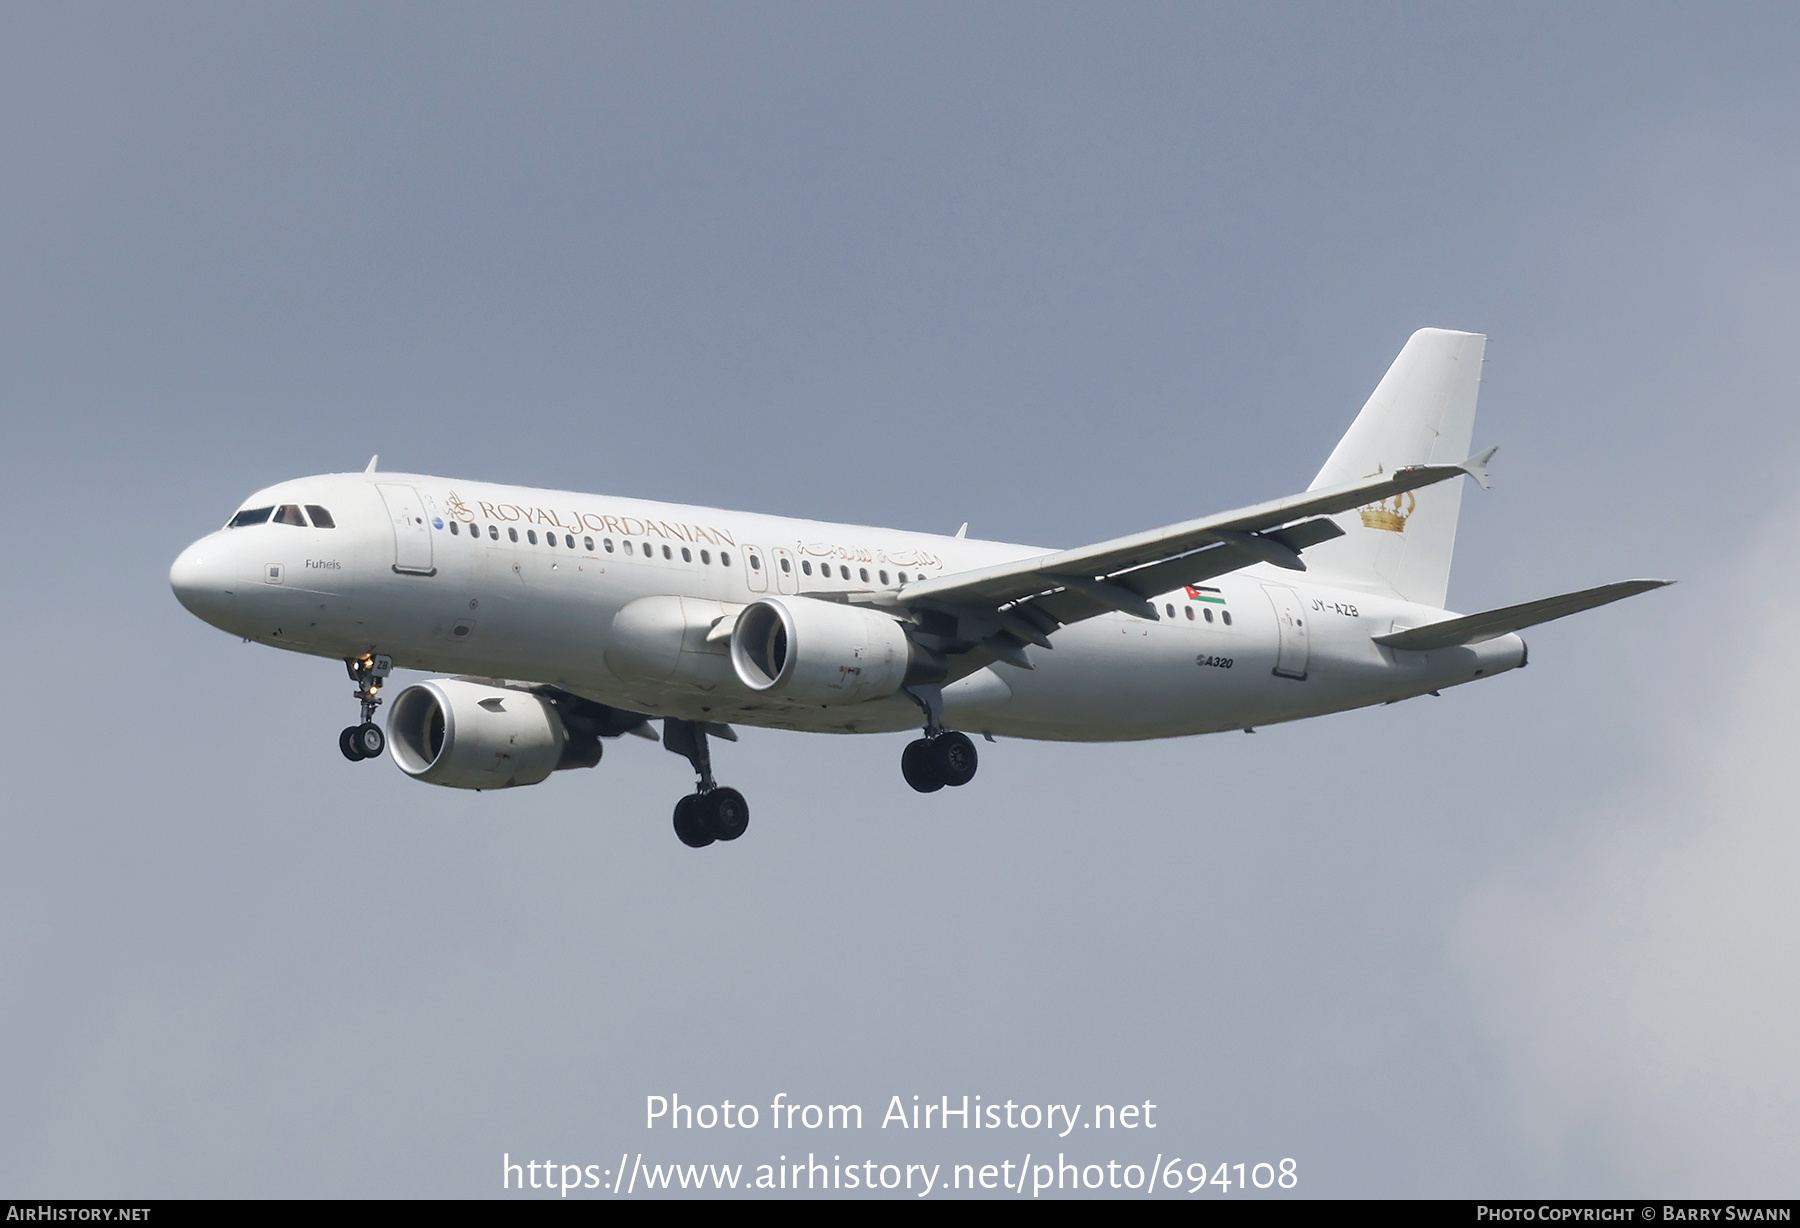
1390, 514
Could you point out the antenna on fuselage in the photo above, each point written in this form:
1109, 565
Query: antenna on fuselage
372, 460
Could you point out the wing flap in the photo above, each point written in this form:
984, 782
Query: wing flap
1203, 565
1475, 628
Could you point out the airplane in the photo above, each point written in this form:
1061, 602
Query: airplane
557, 620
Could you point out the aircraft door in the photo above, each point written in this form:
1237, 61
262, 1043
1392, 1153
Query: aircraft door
412, 536
756, 569
1292, 648
787, 579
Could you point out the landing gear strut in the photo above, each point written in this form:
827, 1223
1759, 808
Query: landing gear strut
366, 741
942, 757
710, 812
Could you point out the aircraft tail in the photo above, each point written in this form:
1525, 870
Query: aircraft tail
1422, 413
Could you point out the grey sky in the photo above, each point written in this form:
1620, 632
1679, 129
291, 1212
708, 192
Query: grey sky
1062, 272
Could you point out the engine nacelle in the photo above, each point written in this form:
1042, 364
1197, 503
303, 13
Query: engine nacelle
820, 652
465, 735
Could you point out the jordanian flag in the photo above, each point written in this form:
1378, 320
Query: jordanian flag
1202, 593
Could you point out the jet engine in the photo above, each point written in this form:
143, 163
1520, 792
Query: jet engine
466, 735
820, 652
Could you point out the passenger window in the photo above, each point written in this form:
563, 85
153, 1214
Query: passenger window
1190, 612
512, 535
569, 541
627, 547
320, 517
724, 559
844, 570
1226, 615
883, 576
667, 553
531, 536
1208, 612
687, 556
903, 577
864, 573
288, 513
1170, 610
706, 556
755, 563
493, 532
607, 543
785, 566
649, 551
805, 567
588, 544
453, 530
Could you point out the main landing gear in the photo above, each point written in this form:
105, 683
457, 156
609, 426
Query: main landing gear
942, 757
931, 763
366, 741
710, 812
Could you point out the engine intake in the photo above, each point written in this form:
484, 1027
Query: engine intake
820, 652
465, 735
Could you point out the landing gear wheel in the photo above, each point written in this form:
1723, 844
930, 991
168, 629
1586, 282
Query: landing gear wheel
724, 814
369, 739
347, 744
688, 828
917, 766
953, 758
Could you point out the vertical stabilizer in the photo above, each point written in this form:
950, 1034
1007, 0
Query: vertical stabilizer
1422, 413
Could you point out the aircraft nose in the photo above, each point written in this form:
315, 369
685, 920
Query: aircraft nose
202, 581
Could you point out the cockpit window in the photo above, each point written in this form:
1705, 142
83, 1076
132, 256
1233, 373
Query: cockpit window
320, 517
288, 513
250, 515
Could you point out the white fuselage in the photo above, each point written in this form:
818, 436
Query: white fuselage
488, 601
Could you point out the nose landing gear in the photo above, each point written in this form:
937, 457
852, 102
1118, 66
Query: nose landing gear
366, 741
709, 813
942, 757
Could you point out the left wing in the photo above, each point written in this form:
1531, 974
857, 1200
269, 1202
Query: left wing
1030, 598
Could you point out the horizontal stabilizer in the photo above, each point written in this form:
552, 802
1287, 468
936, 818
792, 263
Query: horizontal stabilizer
1474, 628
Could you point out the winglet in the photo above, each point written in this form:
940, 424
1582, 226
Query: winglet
1476, 466
372, 460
